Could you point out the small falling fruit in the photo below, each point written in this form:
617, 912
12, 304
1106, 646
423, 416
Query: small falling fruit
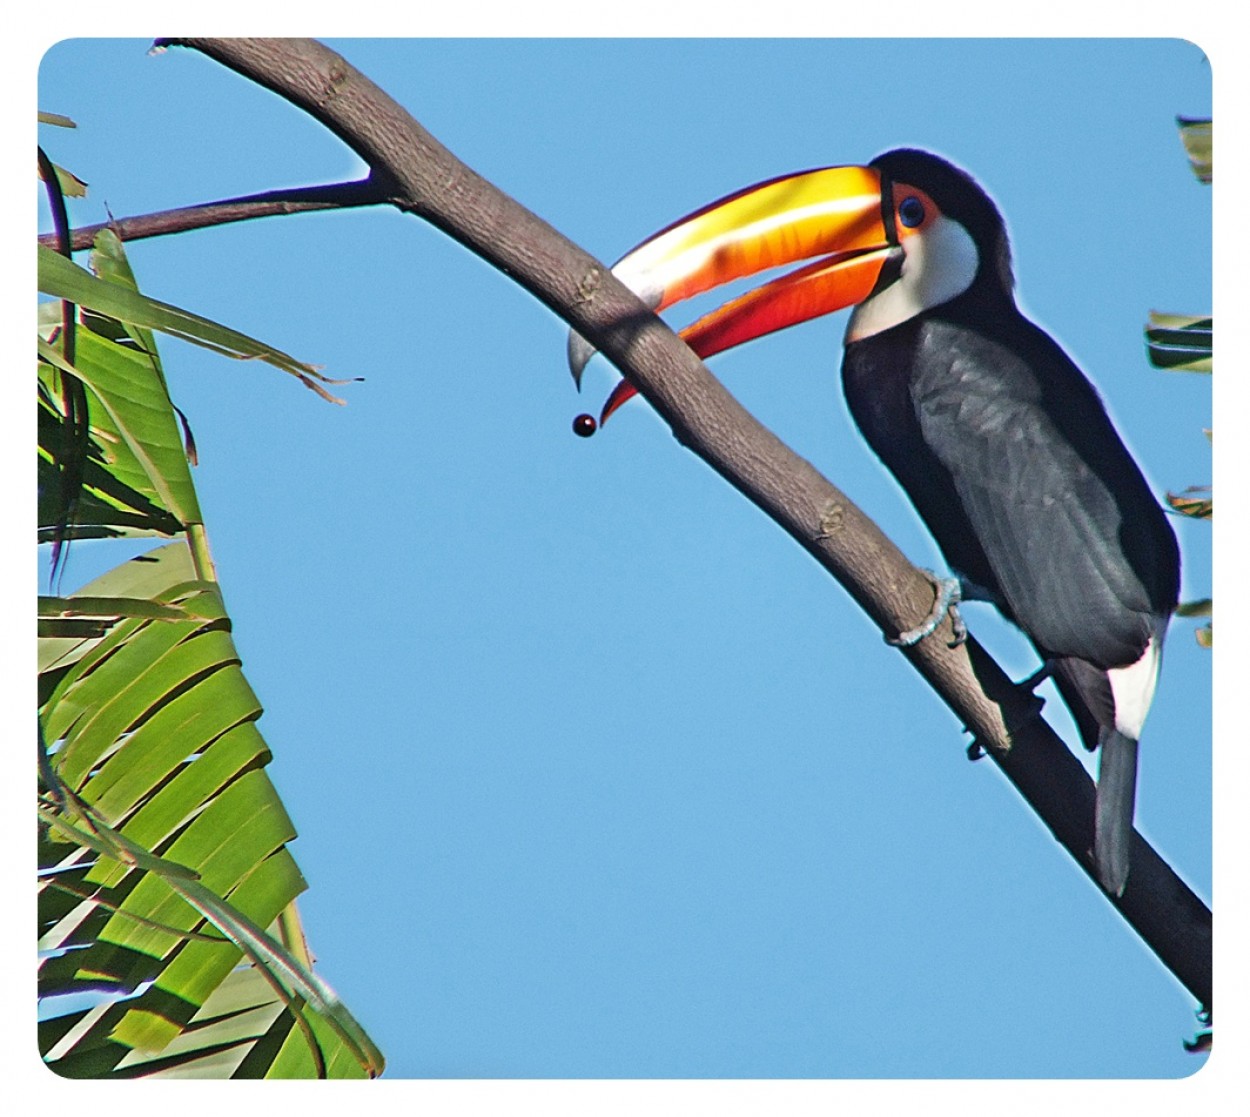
585, 425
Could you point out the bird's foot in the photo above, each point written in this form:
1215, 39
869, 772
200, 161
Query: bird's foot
1038, 677
946, 600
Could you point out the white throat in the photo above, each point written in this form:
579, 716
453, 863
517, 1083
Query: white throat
938, 264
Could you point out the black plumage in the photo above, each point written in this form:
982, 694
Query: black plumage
1008, 454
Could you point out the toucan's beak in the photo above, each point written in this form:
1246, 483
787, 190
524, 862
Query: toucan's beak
834, 217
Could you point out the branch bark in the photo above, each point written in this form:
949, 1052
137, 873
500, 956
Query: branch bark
422, 177
305, 199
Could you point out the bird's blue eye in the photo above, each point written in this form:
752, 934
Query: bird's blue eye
911, 212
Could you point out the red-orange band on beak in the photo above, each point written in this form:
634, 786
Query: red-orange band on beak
820, 288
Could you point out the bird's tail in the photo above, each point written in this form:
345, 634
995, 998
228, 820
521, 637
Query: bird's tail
1113, 810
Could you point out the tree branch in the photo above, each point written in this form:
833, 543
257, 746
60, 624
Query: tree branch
342, 195
426, 179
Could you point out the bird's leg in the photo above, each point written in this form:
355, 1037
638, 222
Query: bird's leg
1038, 677
1029, 685
946, 600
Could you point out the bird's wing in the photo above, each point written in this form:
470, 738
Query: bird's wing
1043, 492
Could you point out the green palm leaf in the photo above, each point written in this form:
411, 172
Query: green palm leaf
63, 279
1179, 342
1196, 136
169, 940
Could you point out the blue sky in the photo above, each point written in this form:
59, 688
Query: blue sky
596, 773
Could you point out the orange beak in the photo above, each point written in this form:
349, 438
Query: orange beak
835, 217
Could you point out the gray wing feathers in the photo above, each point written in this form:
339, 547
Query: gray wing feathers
1047, 523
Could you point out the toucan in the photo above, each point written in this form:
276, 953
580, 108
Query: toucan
999, 440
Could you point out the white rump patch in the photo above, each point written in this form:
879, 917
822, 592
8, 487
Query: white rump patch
1133, 687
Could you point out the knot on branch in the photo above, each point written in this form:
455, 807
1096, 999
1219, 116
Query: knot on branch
588, 285
336, 77
831, 517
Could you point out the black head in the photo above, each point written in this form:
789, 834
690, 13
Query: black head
961, 198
